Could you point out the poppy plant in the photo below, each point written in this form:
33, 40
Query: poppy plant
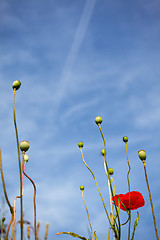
136, 200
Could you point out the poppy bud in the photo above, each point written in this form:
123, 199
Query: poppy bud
26, 158
103, 152
80, 144
125, 139
81, 187
110, 171
24, 146
16, 84
98, 120
142, 154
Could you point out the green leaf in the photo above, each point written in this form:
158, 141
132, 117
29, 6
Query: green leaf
73, 235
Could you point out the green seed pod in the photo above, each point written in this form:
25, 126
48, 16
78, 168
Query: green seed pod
125, 139
142, 154
81, 187
80, 144
24, 146
26, 157
103, 152
110, 171
98, 120
16, 84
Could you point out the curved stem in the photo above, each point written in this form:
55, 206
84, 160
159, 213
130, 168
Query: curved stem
87, 215
96, 186
19, 161
129, 212
119, 229
23, 167
4, 186
154, 219
34, 200
9, 225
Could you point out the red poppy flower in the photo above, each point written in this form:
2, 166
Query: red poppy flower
136, 200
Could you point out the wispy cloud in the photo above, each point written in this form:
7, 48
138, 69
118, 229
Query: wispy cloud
78, 39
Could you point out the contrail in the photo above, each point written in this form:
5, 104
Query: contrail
78, 38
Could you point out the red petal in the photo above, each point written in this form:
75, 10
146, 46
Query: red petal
120, 197
136, 200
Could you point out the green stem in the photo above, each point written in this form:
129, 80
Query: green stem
119, 228
34, 201
112, 205
87, 215
4, 187
96, 186
19, 161
154, 219
135, 225
129, 212
9, 225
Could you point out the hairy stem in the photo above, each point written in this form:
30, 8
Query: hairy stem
96, 186
119, 228
87, 215
19, 161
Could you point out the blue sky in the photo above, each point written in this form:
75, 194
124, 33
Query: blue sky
77, 60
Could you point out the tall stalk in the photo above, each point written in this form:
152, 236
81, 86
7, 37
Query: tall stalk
125, 140
34, 198
154, 219
119, 228
19, 161
142, 156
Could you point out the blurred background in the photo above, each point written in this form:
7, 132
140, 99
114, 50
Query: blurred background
77, 60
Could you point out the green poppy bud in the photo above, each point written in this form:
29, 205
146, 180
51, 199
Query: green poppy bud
110, 171
81, 187
16, 84
24, 146
98, 120
103, 152
125, 139
80, 144
142, 154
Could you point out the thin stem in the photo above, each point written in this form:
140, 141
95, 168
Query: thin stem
4, 186
154, 219
34, 200
38, 226
9, 225
119, 229
135, 225
23, 167
19, 161
129, 212
2, 229
11, 232
46, 231
87, 215
112, 204
111, 214
96, 186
